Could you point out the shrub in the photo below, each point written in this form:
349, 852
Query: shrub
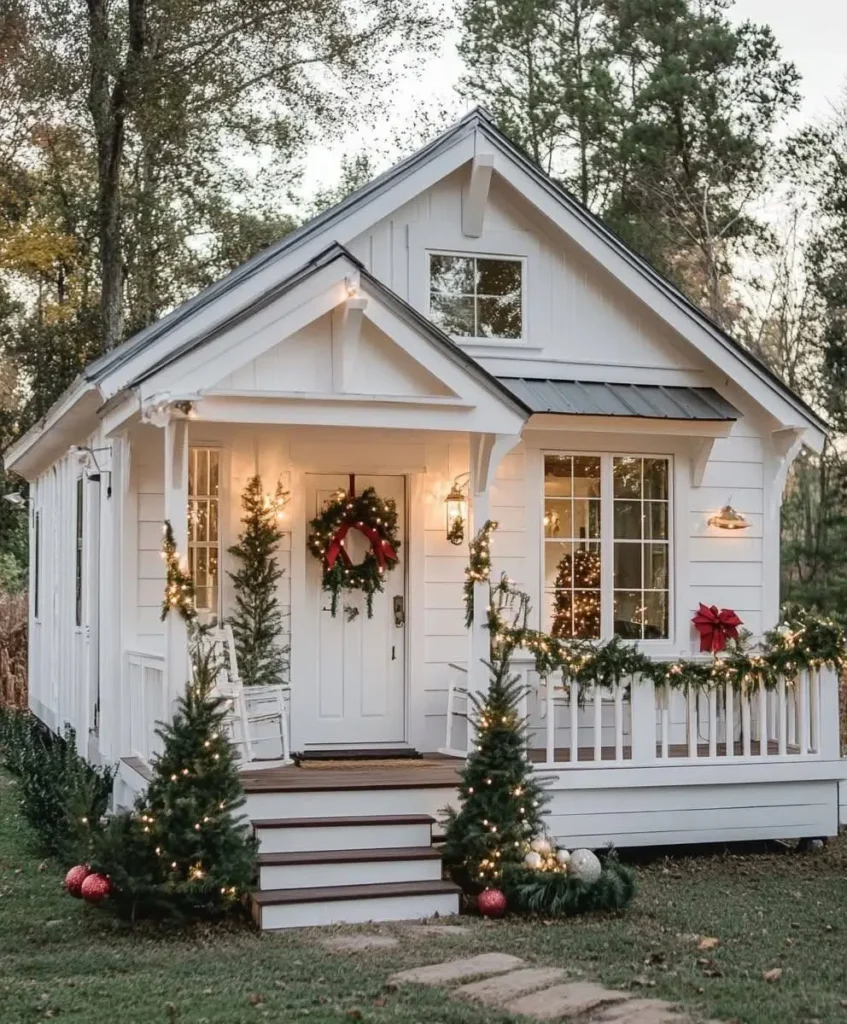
63, 796
13, 648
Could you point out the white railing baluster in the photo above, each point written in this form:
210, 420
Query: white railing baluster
815, 711
691, 696
713, 723
729, 712
782, 712
619, 722
598, 722
763, 719
574, 709
746, 724
666, 721
801, 733
551, 721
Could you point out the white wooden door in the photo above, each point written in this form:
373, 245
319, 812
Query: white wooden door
358, 691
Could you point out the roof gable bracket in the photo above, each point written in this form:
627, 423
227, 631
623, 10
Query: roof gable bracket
786, 444
346, 332
700, 459
475, 197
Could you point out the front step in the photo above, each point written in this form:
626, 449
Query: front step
356, 867
353, 904
407, 798
308, 835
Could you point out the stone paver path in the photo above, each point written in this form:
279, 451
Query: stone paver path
505, 983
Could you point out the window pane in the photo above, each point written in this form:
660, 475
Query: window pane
656, 478
586, 471
655, 616
628, 520
192, 471
453, 275
561, 613
202, 562
213, 580
498, 277
628, 615
586, 567
213, 521
627, 477
586, 519
202, 513
557, 475
558, 565
214, 472
628, 566
586, 614
656, 520
453, 315
655, 567
202, 471
499, 318
558, 521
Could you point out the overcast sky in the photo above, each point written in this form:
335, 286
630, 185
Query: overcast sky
812, 33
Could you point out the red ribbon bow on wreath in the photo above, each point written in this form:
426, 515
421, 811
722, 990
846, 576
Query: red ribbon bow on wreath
382, 550
716, 626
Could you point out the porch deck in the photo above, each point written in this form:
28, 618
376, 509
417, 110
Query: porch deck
434, 770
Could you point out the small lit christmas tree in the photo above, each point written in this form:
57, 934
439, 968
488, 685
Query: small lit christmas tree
183, 851
257, 621
502, 801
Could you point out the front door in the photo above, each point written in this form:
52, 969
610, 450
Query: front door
359, 694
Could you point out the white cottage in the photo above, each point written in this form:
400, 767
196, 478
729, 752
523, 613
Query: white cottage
460, 323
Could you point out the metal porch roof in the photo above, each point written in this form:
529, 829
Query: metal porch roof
598, 398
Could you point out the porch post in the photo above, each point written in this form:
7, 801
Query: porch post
176, 510
487, 451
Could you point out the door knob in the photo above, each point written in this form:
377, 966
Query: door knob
399, 610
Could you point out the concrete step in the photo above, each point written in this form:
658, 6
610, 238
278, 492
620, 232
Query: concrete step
350, 867
353, 904
360, 832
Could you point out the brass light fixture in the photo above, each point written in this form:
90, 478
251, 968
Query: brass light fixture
456, 505
729, 519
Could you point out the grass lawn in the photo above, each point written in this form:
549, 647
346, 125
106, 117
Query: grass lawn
60, 959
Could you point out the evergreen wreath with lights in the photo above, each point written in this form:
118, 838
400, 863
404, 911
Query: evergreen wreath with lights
372, 516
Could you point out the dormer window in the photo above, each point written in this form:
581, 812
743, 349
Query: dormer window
476, 297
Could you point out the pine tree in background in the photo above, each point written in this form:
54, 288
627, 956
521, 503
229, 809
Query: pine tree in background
502, 800
183, 850
257, 622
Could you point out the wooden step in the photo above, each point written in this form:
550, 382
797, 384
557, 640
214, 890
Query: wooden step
366, 832
353, 904
306, 870
343, 801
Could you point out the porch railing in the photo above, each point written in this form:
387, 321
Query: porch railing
146, 701
636, 723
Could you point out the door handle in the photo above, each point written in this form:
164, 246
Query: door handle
399, 610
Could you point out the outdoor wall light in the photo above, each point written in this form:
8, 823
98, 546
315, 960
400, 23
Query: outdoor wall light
729, 519
456, 505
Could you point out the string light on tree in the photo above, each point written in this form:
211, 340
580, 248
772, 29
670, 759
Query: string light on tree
179, 586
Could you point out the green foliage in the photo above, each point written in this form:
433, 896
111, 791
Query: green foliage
557, 894
183, 850
63, 796
179, 586
257, 620
379, 518
501, 799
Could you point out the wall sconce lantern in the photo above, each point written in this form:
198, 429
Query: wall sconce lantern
729, 519
456, 505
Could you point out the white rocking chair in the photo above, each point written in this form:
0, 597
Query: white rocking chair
249, 707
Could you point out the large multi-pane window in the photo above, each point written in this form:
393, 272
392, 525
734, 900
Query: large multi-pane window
204, 526
476, 296
607, 546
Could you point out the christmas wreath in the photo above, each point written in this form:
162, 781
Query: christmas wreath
372, 516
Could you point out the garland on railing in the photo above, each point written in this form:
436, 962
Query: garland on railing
805, 641
179, 586
479, 565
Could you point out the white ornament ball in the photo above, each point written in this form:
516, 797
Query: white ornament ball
533, 860
584, 866
542, 846
563, 857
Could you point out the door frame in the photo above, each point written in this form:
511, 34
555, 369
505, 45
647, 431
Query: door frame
302, 624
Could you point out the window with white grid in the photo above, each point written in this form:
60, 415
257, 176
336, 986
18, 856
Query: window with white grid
204, 543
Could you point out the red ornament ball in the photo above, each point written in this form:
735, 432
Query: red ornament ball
74, 879
95, 888
491, 903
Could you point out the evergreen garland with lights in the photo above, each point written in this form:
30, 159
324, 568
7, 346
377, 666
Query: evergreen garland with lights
479, 565
502, 800
257, 619
374, 517
183, 851
179, 586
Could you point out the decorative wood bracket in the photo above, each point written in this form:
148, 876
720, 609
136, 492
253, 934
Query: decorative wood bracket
786, 444
700, 460
161, 408
487, 451
475, 198
346, 333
